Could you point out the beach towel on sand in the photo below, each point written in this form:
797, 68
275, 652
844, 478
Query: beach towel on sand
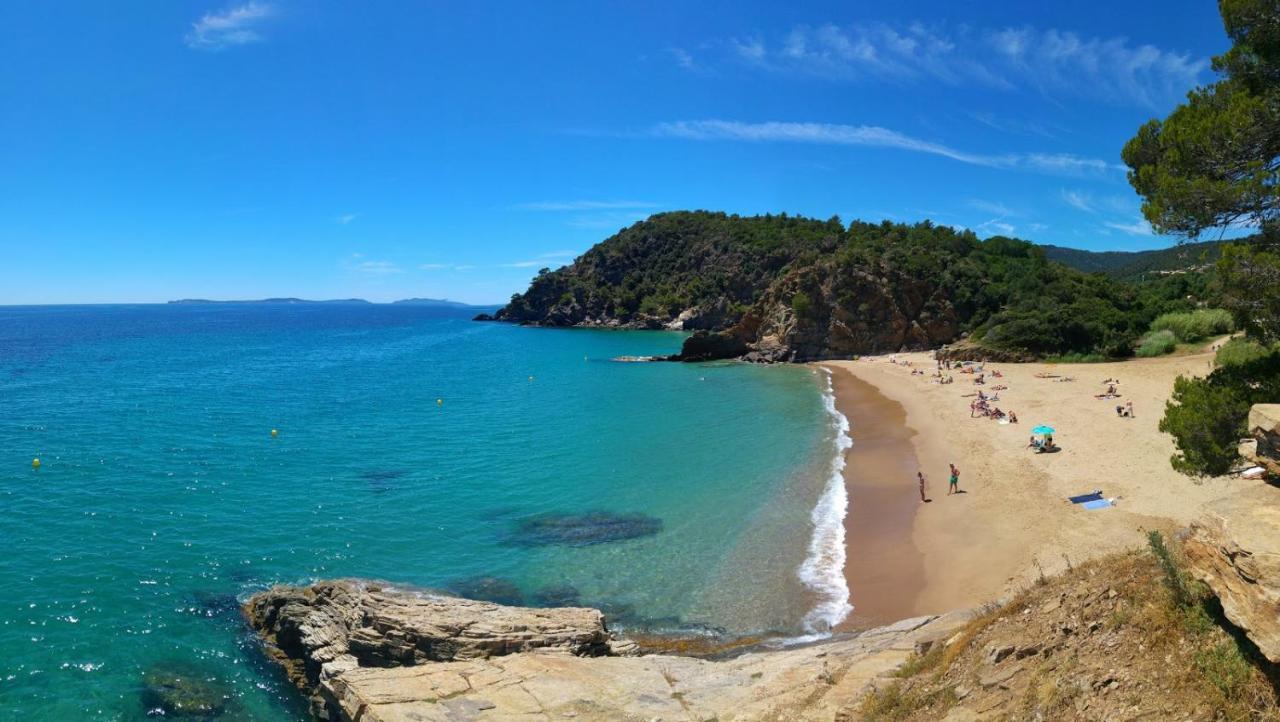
1094, 496
1098, 504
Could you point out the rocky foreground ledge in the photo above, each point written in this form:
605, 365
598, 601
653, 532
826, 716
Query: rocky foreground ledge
365, 651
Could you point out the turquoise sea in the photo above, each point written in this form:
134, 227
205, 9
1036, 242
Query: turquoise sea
413, 445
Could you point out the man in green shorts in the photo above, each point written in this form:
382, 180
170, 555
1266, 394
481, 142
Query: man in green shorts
954, 485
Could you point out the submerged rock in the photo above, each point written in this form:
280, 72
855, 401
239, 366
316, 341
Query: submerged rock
214, 604
182, 690
488, 589
597, 527
557, 596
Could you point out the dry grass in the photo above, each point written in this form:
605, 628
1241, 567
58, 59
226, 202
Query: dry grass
1165, 632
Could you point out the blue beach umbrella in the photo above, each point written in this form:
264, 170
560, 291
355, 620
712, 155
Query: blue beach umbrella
1042, 429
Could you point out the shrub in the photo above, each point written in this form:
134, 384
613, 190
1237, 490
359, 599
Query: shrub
1195, 325
1077, 358
1206, 416
1157, 343
1239, 351
802, 304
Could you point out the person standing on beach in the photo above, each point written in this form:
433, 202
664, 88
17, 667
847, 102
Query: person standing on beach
920, 476
953, 486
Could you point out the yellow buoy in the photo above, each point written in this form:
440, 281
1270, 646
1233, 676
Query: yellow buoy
439, 402
274, 433
35, 463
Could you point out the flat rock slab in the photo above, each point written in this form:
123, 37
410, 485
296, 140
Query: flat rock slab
387, 655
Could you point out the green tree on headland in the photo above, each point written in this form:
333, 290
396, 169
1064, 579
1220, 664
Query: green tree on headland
1214, 163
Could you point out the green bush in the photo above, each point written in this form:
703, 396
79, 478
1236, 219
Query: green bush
1077, 358
1240, 351
1195, 325
1157, 343
802, 304
1206, 416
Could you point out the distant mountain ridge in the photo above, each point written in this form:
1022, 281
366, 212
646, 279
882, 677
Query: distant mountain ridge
431, 302
1127, 265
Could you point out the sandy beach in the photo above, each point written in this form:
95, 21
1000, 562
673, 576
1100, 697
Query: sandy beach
1013, 521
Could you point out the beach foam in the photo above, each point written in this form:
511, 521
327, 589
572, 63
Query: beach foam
823, 568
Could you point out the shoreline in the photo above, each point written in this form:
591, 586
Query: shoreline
1013, 523
884, 571
822, 571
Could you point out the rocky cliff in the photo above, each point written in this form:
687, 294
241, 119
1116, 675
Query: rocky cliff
1235, 549
368, 652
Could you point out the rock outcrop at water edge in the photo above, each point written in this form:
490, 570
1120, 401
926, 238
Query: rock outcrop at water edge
374, 653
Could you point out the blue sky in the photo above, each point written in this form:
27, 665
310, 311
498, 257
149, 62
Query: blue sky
158, 150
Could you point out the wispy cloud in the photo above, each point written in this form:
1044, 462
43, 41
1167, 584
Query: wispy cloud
433, 266
1005, 229
553, 258
1015, 125
1053, 62
875, 136
685, 59
1078, 200
1138, 228
373, 268
234, 26
582, 205
346, 218
608, 221
992, 207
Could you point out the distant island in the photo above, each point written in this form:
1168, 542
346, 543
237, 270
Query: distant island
431, 302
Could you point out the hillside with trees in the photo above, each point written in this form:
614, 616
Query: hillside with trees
792, 288
1136, 265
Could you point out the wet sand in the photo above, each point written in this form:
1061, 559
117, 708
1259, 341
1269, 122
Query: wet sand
884, 569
